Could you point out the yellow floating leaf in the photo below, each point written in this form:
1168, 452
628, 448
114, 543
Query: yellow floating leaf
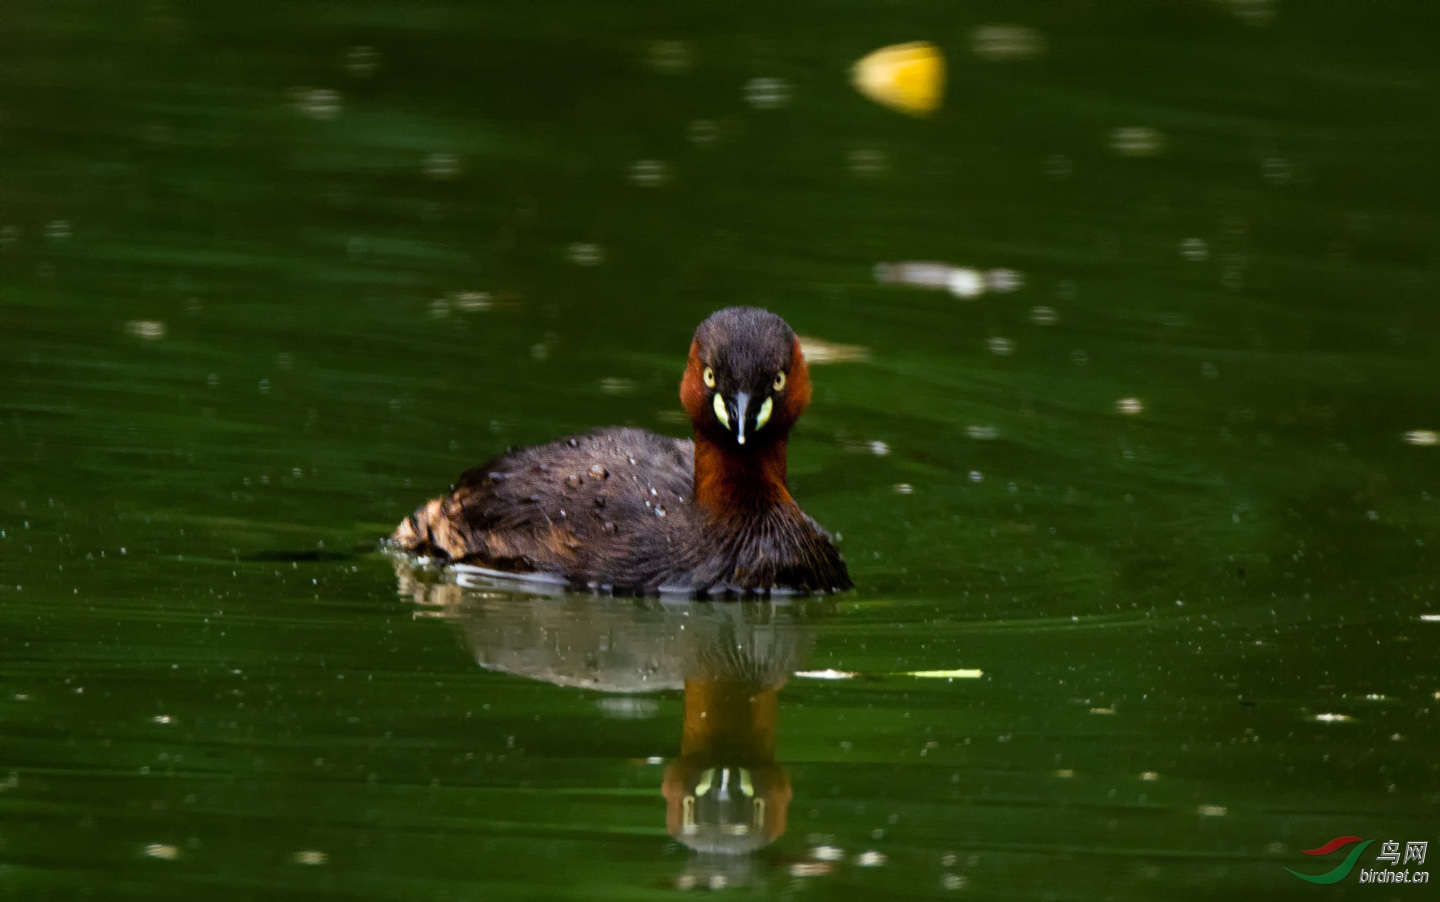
905, 77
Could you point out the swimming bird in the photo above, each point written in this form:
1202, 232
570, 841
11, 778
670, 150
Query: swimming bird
626, 511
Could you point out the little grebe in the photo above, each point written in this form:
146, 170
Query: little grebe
625, 510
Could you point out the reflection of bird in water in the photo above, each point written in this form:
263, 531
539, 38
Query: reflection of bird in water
725, 793
628, 511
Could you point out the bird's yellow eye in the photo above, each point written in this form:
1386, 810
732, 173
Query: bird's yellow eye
779, 382
709, 377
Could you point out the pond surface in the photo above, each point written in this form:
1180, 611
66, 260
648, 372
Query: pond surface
1139, 493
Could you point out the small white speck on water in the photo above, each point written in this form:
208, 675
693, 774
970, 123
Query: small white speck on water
583, 253
361, 61
1195, 250
148, 329
316, 103
1137, 141
649, 173
767, 93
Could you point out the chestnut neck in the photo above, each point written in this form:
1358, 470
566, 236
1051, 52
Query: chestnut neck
729, 481
726, 719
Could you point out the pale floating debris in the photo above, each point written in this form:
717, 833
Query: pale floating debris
703, 132
1137, 141
909, 77
57, 230
1212, 811
162, 851
962, 674
977, 476
361, 61
161, 718
828, 673
961, 281
1001, 43
921, 274
1058, 166
669, 57
471, 301
21, 697
628, 708
148, 329
1149, 776
310, 856
1129, 406
1001, 347
317, 103
1332, 718
965, 283
441, 166
440, 308
1195, 250
827, 853
649, 173
818, 351
1065, 773
655, 759
871, 859
877, 448
1374, 697
1003, 281
954, 881
1044, 316
903, 488
1422, 437
617, 386
1430, 618
1252, 12
982, 433
811, 869
585, 254
867, 161
1102, 710
767, 93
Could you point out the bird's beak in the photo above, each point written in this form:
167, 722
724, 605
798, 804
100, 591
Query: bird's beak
742, 401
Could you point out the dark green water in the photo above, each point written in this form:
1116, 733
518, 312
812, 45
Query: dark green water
241, 335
